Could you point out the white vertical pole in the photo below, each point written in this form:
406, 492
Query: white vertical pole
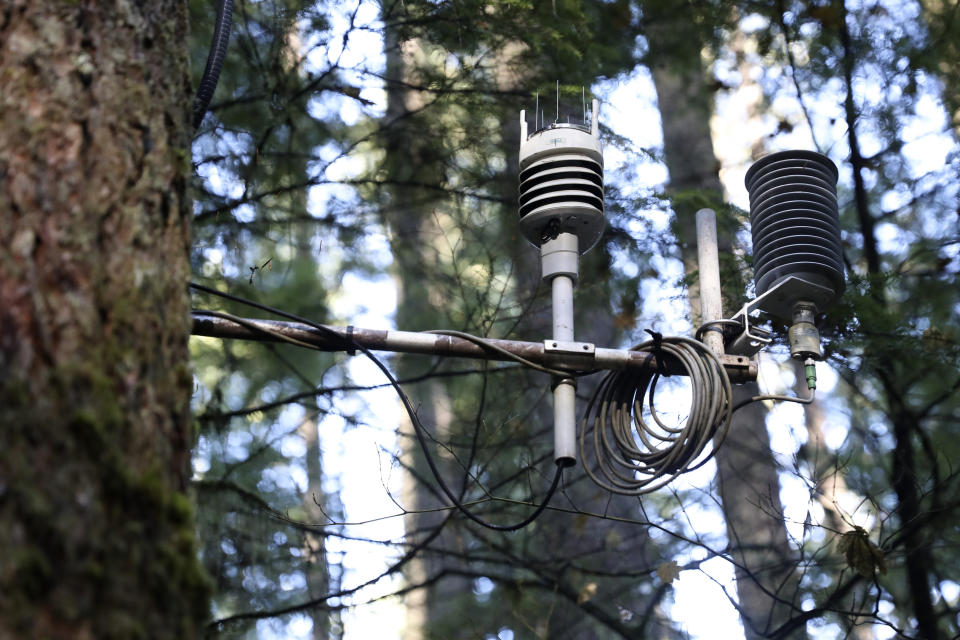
562, 287
564, 390
560, 265
711, 302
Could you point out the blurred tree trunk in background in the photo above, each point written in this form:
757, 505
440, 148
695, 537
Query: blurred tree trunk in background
414, 160
421, 139
317, 567
314, 552
746, 471
97, 534
273, 247
611, 546
942, 18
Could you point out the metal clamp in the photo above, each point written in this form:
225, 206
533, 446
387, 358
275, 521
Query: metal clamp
778, 300
748, 339
569, 355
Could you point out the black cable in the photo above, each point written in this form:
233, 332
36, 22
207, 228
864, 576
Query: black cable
774, 396
715, 325
407, 405
658, 352
218, 53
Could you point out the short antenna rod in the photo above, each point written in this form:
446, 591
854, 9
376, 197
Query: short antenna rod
583, 100
536, 112
557, 121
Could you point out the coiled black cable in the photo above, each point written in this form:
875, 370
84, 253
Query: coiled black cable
632, 456
218, 53
407, 405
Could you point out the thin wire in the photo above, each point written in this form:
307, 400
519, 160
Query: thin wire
583, 100
709, 326
774, 396
536, 113
617, 407
486, 344
418, 427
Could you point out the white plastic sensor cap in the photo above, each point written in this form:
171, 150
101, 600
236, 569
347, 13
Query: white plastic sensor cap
561, 182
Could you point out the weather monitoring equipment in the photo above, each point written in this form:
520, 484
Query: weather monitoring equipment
561, 180
798, 257
561, 211
623, 444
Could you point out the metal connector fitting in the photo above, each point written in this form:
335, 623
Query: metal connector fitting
810, 373
803, 334
560, 257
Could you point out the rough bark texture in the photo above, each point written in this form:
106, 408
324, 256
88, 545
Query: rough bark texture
94, 398
746, 471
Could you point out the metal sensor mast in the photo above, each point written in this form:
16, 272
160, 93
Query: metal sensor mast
561, 212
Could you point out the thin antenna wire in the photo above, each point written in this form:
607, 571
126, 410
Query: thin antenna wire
583, 97
536, 113
558, 103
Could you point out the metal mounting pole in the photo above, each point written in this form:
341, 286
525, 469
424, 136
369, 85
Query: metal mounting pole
711, 302
560, 259
575, 356
564, 389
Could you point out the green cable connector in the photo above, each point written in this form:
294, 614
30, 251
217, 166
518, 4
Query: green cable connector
810, 371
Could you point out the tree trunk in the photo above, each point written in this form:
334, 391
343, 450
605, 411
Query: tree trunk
746, 471
942, 18
316, 569
412, 160
98, 534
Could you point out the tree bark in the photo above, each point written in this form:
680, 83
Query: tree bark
98, 534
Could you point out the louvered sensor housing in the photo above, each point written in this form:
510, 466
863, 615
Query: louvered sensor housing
561, 181
797, 251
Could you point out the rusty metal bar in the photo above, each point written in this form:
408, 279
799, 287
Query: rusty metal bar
739, 368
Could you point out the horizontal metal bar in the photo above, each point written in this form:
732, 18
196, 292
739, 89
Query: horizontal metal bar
739, 368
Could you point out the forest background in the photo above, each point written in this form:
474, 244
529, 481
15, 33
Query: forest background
358, 165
